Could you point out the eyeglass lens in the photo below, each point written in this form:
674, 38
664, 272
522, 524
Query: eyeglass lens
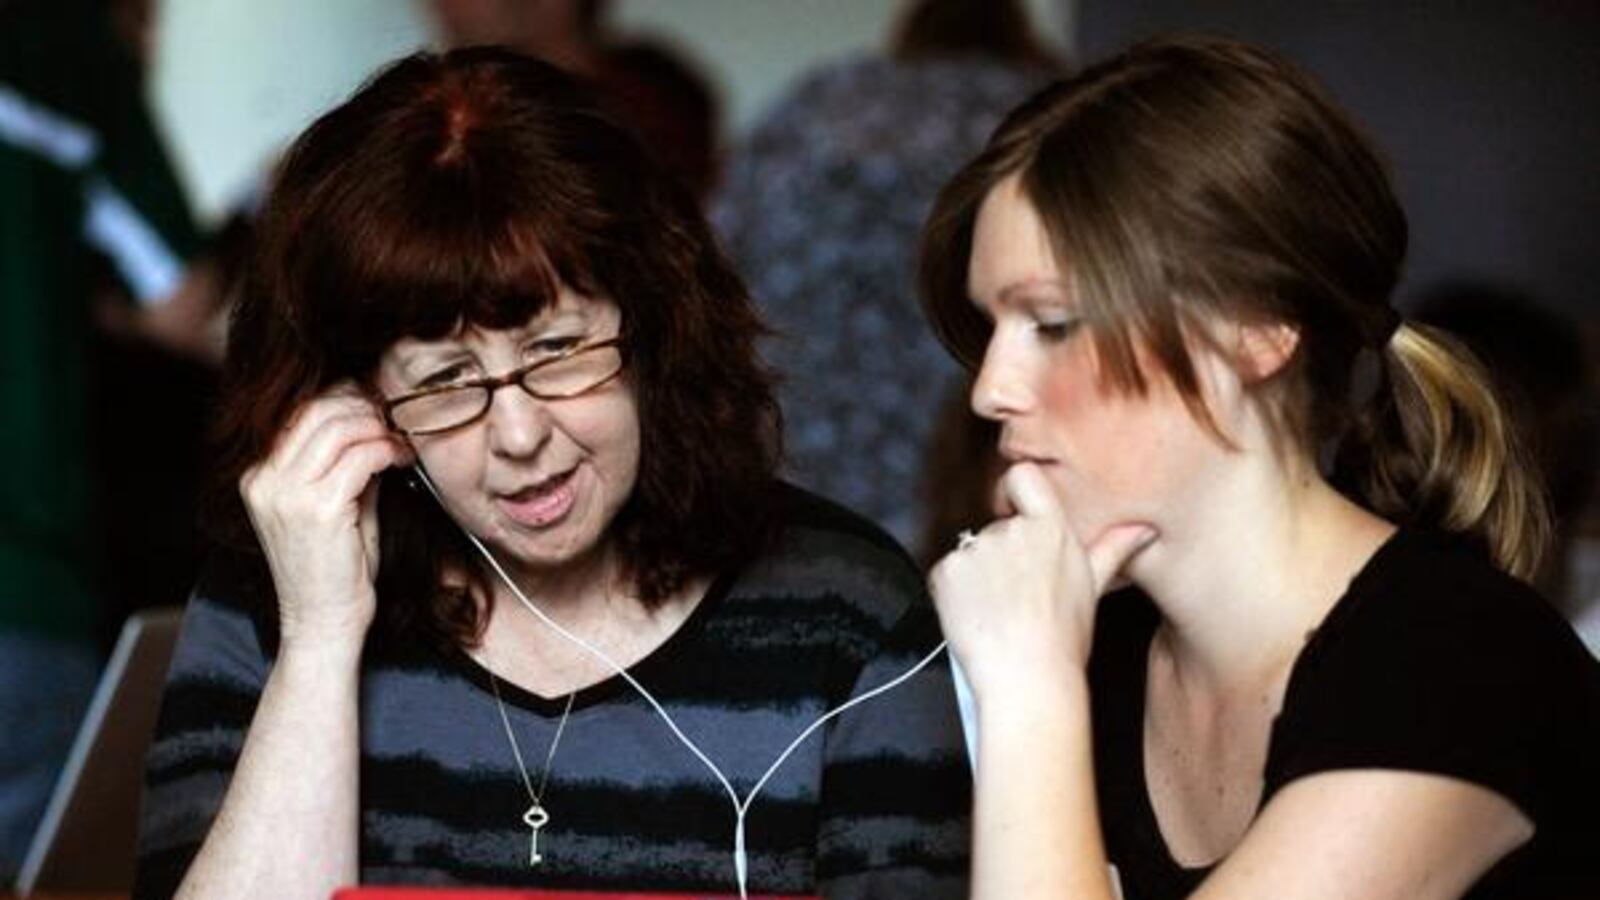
553, 380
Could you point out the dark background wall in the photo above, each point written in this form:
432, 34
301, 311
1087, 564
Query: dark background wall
1488, 110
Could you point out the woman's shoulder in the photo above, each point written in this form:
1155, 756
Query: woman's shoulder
810, 522
823, 550
1430, 618
1437, 593
1436, 661
219, 665
803, 512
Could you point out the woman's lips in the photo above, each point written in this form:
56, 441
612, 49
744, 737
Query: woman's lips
542, 505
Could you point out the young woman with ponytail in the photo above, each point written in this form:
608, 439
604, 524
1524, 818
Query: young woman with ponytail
1173, 275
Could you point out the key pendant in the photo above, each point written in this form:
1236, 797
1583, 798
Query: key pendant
535, 818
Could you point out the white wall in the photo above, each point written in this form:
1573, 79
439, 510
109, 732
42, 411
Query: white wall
236, 80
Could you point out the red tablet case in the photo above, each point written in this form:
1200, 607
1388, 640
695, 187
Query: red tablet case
508, 894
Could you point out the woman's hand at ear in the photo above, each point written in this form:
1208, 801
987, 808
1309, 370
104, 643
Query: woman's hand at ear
294, 794
313, 503
1018, 602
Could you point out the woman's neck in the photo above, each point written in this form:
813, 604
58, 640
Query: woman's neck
595, 602
580, 589
1244, 582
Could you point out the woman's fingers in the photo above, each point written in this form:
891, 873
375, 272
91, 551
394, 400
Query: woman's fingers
368, 523
326, 450
344, 397
327, 480
358, 466
313, 466
313, 504
313, 445
1111, 551
1026, 491
1022, 595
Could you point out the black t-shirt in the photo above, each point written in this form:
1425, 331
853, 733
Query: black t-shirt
1432, 661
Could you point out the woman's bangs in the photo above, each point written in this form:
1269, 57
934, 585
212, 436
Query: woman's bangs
429, 283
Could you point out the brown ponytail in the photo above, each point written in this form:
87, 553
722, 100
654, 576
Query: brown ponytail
1442, 450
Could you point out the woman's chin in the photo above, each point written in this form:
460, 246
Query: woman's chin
571, 541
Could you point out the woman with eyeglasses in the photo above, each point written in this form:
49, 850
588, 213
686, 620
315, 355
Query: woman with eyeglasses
496, 419
1173, 274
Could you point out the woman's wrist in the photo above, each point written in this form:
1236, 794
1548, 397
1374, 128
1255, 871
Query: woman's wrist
325, 628
1033, 702
322, 649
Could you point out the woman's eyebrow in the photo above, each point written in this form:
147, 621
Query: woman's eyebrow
416, 362
1032, 289
566, 318
1026, 293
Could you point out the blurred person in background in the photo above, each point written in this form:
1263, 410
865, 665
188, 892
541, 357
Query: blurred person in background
652, 88
820, 210
86, 191
146, 493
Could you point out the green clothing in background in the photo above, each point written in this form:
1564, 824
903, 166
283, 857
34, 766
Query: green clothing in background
83, 178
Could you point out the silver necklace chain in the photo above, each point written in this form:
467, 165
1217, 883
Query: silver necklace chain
536, 817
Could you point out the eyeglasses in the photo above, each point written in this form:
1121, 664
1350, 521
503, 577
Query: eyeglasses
577, 371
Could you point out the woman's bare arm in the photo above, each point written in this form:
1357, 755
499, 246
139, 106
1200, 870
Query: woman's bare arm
1371, 833
288, 827
1036, 829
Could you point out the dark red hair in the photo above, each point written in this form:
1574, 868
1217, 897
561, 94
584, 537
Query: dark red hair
459, 189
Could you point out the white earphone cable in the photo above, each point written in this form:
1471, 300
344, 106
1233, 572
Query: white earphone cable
740, 807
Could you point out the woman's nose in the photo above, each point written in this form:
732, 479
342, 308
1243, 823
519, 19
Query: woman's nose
519, 424
1001, 389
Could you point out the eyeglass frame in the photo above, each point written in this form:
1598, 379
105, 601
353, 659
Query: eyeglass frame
495, 382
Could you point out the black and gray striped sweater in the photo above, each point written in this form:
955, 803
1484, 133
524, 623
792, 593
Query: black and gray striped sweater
875, 804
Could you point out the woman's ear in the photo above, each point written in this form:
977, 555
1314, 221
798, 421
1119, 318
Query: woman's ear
1261, 350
